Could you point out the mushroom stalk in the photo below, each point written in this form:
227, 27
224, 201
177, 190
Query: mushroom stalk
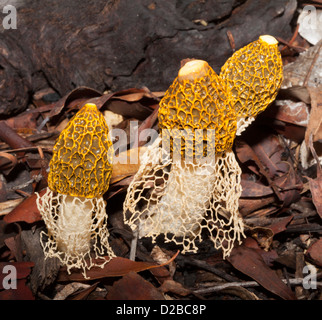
75, 226
73, 210
194, 197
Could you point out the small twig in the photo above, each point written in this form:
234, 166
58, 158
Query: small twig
231, 40
36, 178
204, 265
293, 38
27, 149
316, 5
296, 48
134, 243
304, 211
12, 138
293, 282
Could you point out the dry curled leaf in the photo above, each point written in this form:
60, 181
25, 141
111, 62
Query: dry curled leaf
174, 287
249, 262
162, 257
133, 287
26, 211
315, 252
116, 267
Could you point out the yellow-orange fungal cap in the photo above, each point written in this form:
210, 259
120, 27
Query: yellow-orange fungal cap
198, 100
253, 75
82, 156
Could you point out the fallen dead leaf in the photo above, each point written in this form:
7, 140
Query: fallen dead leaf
315, 122
26, 211
133, 287
117, 267
79, 95
250, 262
263, 235
162, 257
281, 225
316, 184
315, 252
174, 287
22, 292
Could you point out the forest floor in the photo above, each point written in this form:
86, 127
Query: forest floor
281, 205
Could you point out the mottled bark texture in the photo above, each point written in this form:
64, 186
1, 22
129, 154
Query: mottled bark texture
120, 44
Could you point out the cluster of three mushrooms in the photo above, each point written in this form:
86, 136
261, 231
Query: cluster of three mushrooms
180, 189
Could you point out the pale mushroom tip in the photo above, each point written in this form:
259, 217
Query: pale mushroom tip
193, 69
270, 40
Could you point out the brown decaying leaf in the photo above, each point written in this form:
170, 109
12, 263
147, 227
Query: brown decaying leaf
247, 206
315, 122
26, 211
117, 267
316, 184
254, 189
249, 262
84, 293
281, 225
161, 257
79, 94
303, 74
24, 123
133, 287
174, 287
264, 236
288, 111
161, 274
266, 152
316, 191
268, 256
8, 162
125, 102
315, 252
22, 292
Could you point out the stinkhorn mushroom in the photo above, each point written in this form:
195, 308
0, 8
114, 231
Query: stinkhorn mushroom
72, 207
253, 75
181, 197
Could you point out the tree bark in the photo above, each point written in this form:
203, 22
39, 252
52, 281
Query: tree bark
119, 44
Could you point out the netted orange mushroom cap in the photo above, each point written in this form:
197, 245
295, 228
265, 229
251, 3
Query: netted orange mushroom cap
82, 156
198, 100
73, 207
253, 75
